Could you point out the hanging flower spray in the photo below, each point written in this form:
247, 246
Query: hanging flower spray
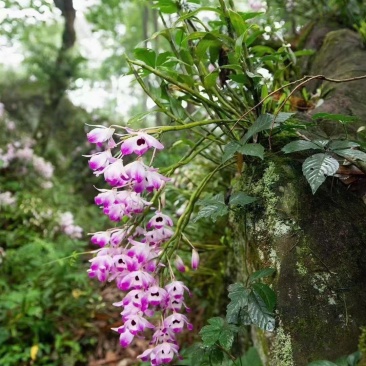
133, 255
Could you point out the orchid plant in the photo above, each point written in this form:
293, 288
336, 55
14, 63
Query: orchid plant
133, 256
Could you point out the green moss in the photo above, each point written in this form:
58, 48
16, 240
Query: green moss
282, 349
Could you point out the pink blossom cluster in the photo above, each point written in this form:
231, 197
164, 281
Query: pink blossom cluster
22, 152
66, 222
131, 255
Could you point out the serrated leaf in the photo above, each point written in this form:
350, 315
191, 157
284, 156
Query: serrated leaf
259, 313
266, 293
299, 145
241, 199
210, 334
238, 295
322, 363
229, 151
216, 322
265, 272
263, 122
317, 167
251, 358
252, 150
226, 338
212, 207
351, 153
342, 144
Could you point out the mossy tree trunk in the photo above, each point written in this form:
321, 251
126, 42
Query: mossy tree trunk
317, 242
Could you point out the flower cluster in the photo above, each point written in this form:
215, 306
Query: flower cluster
21, 152
68, 227
131, 255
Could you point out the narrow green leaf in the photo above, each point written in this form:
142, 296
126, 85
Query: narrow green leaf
252, 150
265, 272
241, 199
165, 6
321, 363
238, 22
317, 167
353, 154
299, 145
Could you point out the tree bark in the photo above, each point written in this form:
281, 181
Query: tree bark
317, 242
59, 77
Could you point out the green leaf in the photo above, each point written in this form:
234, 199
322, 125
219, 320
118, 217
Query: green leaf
210, 79
145, 55
210, 333
299, 145
165, 6
238, 22
218, 331
241, 199
216, 356
252, 150
265, 272
259, 313
238, 295
229, 151
335, 117
251, 358
226, 338
321, 363
351, 153
342, 144
266, 293
208, 41
263, 122
317, 167
354, 358
212, 207
283, 117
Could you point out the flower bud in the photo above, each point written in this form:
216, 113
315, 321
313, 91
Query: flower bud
195, 259
179, 264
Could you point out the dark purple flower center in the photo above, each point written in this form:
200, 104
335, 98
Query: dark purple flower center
141, 141
133, 322
137, 278
159, 219
155, 294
